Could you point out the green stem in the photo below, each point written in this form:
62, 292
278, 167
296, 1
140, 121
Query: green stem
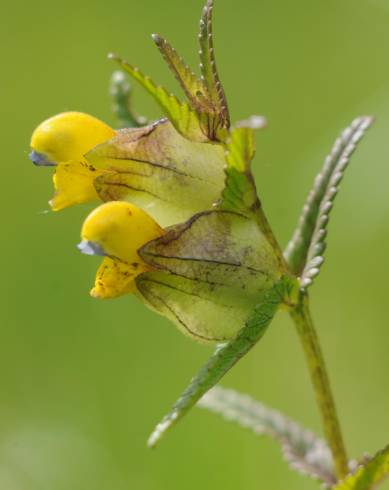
309, 339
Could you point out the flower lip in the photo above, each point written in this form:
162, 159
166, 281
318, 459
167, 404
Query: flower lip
88, 247
40, 159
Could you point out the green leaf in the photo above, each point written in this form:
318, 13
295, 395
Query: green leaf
206, 95
184, 119
304, 451
369, 475
304, 252
120, 91
224, 358
208, 68
207, 117
240, 193
193, 87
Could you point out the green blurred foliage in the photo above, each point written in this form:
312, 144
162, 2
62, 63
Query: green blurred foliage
83, 382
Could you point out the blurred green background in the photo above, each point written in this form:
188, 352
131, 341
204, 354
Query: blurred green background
82, 382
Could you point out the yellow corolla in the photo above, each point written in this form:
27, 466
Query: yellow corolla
62, 141
117, 230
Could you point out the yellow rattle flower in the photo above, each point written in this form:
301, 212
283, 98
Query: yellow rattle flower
116, 230
62, 141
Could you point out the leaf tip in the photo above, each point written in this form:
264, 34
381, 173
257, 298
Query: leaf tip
208, 6
114, 56
160, 430
369, 118
157, 39
118, 77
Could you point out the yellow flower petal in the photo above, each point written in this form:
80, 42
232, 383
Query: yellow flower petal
69, 135
73, 182
63, 140
119, 229
114, 278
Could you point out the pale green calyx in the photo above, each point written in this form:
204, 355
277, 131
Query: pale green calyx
209, 275
159, 170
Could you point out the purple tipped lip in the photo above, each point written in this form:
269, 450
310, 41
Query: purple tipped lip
91, 248
40, 159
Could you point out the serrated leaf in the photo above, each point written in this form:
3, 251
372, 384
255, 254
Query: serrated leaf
183, 118
240, 192
369, 475
195, 90
304, 451
304, 252
208, 67
193, 87
224, 358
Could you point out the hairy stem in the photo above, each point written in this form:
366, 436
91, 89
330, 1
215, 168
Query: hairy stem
309, 339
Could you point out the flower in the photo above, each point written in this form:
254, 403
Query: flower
206, 275
181, 225
116, 230
62, 142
